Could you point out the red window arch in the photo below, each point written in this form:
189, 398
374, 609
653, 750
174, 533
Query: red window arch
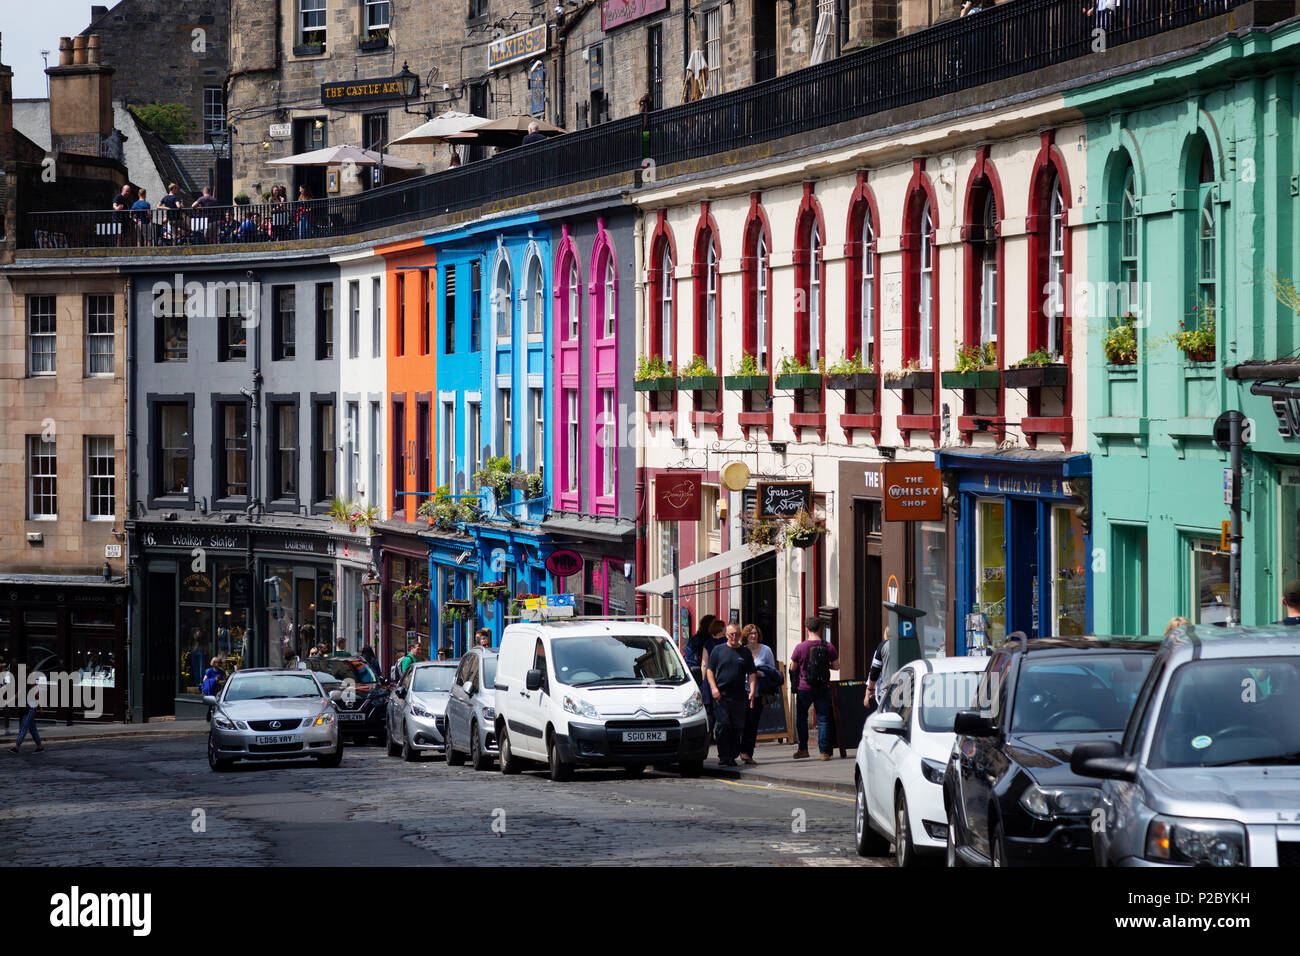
663, 300
810, 281
920, 303
706, 274
862, 307
756, 270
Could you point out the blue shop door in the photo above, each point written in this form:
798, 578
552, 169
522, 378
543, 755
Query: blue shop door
1023, 583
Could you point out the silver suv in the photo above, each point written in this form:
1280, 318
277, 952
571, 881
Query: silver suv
1208, 771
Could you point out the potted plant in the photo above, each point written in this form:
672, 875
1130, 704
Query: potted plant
242, 199
1198, 343
849, 373
340, 511
910, 376
495, 475
1038, 369
456, 610
313, 44
653, 374
533, 485
443, 511
411, 593
373, 40
803, 530
746, 377
977, 367
763, 532
490, 592
517, 603
364, 515
697, 376
796, 373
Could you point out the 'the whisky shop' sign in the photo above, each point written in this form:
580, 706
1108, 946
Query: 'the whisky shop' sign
365, 91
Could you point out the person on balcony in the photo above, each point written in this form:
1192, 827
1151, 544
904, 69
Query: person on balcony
140, 212
303, 220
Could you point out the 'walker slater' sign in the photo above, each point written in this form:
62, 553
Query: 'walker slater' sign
615, 13
913, 491
783, 499
517, 46
363, 91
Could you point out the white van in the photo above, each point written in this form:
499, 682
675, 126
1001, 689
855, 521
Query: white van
595, 693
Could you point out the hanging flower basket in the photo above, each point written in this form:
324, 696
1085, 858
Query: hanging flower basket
490, 592
412, 593
517, 603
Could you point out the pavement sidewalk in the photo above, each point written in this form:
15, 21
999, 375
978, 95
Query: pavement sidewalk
776, 765
62, 733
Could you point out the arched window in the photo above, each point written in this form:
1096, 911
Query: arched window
761, 276
1207, 241
574, 308
711, 306
810, 281
1055, 339
662, 330
757, 282
503, 301
707, 290
1128, 254
611, 300
989, 272
867, 303
814, 300
924, 353
536, 297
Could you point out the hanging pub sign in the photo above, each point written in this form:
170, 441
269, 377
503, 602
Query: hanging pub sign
366, 91
563, 564
913, 491
616, 13
783, 499
517, 46
677, 496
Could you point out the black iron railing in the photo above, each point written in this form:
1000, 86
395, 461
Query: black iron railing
1005, 41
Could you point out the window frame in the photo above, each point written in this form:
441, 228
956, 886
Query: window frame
354, 318
98, 335
275, 500
325, 321
52, 315
305, 32
475, 305
324, 453
92, 496
503, 302
157, 405
222, 450
36, 451
284, 348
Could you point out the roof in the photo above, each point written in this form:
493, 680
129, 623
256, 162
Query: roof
1210, 642
949, 665
1071, 463
589, 526
164, 159
198, 163
587, 627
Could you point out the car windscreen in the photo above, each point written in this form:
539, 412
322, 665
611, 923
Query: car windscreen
429, 680
344, 669
1225, 712
1092, 692
267, 686
616, 658
942, 695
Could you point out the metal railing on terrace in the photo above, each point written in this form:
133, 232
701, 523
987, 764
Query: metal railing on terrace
999, 43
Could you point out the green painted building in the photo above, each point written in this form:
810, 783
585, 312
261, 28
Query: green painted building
1192, 206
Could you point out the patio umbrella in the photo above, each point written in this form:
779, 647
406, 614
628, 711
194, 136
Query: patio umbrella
342, 155
439, 128
505, 131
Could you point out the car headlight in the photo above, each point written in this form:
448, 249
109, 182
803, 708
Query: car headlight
693, 706
321, 719
1194, 842
1048, 802
420, 711
222, 722
576, 705
489, 713
932, 770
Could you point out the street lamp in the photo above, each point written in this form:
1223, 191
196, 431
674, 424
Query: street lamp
370, 586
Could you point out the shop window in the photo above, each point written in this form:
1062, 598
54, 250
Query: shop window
1210, 582
929, 581
991, 567
1069, 573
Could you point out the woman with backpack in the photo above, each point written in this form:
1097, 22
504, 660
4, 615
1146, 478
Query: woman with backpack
770, 681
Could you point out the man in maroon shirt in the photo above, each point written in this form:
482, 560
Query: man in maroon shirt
812, 660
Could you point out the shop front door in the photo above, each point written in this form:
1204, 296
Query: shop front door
160, 646
1024, 593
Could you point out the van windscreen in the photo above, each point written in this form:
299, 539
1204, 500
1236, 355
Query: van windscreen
616, 659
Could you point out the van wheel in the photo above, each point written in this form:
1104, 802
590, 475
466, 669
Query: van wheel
691, 768
454, 757
510, 764
560, 771
478, 759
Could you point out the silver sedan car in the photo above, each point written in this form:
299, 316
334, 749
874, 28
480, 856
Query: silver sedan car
273, 714
417, 711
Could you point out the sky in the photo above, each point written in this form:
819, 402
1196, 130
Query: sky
29, 26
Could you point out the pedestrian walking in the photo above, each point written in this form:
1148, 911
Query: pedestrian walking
6, 688
812, 659
876, 690
768, 675
534, 136
368, 654
733, 683
341, 648
1291, 604
28, 724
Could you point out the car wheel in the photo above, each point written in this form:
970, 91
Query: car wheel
691, 768
334, 759
455, 757
869, 842
904, 850
393, 748
951, 856
998, 846
409, 753
634, 769
560, 771
216, 764
478, 759
510, 764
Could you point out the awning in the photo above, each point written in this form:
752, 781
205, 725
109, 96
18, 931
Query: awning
704, 569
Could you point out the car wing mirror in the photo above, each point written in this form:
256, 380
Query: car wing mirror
1103, 759
971, 723
401, 692
336, 695
209, 700
887, 723
533, 680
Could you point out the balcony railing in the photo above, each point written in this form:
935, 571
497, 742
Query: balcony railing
1005, 41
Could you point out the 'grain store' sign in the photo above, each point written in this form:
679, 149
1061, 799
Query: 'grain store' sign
615, 13
365, 91
517, 46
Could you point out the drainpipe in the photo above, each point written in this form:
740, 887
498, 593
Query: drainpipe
132, 583
638, 233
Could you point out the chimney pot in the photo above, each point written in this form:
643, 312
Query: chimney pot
92, 48
78, 50
65, 51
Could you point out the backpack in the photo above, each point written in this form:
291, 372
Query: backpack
770, 680
817, 668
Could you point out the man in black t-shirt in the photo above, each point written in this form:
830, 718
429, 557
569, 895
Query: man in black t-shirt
733, 682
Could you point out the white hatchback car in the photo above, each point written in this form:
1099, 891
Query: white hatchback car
902, 756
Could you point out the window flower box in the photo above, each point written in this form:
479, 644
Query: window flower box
698, 383
374, 42
667, 383
746, 383
799, 380
1036, 376
983, 378
851, 381
910, 380
308, 49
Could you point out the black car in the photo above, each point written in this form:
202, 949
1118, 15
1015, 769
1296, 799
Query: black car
1010, 795
363, 709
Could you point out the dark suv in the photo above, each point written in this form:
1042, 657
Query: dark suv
1008, 790
363, 708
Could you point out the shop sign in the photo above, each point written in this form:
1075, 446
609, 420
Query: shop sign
366, 91
913, 491
279, 131
209, 541
1023, 485
677, 496
617, 13
296, 545
783, 499
517, 46
564, 564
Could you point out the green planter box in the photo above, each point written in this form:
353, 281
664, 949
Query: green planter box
911, 380
698, 383
1038, 376
800, 380
746, 383
984, 378
667, 384
851, 381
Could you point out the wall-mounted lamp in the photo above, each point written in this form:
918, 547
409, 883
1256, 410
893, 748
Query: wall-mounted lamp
266, 144
778, 447
887, 452
319, 124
